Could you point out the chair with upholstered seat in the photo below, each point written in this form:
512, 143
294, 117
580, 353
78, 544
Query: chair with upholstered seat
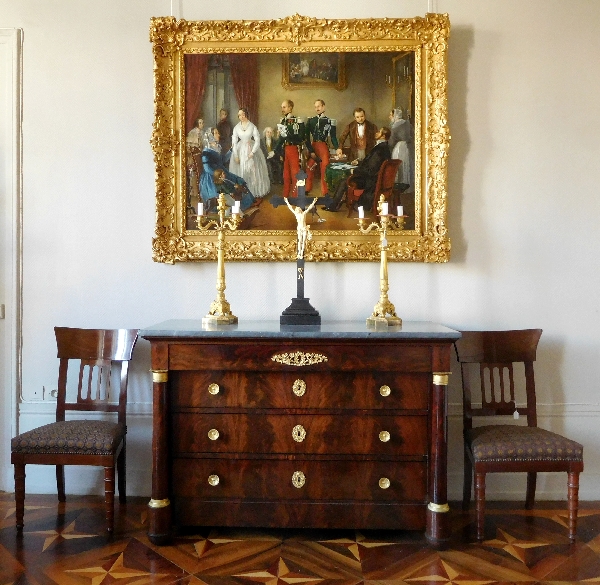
509, 447
385, 186
102, 357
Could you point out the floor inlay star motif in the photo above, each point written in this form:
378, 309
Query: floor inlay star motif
444, 573
67, 533
513, 545
277, 574
114, 570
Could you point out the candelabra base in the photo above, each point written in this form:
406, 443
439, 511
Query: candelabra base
300, 312
219, 320
374, 322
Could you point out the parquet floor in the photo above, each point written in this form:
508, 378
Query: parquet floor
66, 544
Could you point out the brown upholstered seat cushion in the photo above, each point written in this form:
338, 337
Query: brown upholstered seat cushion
84, 437
517, 443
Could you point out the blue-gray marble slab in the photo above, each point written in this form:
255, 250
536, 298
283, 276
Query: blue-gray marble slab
273, 330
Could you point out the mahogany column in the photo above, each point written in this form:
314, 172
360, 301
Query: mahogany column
438, 529
159, 507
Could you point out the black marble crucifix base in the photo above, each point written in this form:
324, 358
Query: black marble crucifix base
300, 312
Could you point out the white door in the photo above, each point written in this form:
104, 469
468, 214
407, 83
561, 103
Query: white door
10, 243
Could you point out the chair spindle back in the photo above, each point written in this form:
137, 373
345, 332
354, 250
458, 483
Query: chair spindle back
103, 356
495, 352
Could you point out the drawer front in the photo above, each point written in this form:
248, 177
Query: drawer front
317, 434
399, 356
360, 390
300, 480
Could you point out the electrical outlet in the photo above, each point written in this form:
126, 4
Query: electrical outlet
48, 394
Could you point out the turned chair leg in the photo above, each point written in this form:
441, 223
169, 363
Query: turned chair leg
60, 483
530, 497
109, 497
467, 480
480, 504
121, 475
20, 494
573, 502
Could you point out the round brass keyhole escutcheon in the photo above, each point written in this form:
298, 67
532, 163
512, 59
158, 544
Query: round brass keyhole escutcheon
298, 433
298, 479
384, 483
213, 480
384, 436
213, 434
213, 389
385, 390
299, 387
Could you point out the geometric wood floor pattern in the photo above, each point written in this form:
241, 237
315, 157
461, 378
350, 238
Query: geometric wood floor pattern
66, 544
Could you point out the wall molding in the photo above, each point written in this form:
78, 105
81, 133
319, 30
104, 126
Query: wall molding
11, 233
139, 445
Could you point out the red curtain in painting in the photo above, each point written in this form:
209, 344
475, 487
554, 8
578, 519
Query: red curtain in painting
196, 72
244, 75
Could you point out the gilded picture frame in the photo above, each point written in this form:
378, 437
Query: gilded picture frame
423, 39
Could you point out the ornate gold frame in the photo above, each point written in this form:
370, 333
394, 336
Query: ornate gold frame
427, 36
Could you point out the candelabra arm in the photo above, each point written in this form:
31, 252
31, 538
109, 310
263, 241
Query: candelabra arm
369, 228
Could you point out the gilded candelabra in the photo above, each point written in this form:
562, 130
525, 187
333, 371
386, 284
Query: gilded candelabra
384, 312
220, 310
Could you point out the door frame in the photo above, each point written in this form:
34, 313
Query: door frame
11, 184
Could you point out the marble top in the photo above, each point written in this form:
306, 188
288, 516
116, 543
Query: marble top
272, 329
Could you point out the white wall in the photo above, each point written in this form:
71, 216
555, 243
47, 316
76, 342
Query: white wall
524, 80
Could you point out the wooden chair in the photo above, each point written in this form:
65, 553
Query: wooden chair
103, 357
509, 447
384, 186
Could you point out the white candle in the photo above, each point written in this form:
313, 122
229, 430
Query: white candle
384, 208
361, 212
400, 211
236, 207
200, 208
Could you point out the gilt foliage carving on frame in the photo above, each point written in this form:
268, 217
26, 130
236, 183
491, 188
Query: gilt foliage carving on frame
424, 38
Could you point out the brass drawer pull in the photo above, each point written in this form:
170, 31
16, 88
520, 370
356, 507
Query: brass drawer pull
213, 434
299, 387
385, 390
213, 480
384, 483
298, 433
384, 436
298, 479
213, 389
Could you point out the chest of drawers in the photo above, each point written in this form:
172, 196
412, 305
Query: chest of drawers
334, 426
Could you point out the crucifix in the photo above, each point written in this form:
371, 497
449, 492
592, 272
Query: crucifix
300, 312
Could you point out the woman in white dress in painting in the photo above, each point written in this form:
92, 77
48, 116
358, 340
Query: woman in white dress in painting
247, 159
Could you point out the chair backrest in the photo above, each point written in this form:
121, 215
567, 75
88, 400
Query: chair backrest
385, 180
495, 352
103, 356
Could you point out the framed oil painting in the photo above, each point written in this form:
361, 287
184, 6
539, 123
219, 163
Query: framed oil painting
223, 110
314, 70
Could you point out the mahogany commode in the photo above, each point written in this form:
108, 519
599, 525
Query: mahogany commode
331, 426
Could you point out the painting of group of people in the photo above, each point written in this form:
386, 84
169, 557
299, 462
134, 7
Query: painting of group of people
246, 164
311, 67
250, 164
